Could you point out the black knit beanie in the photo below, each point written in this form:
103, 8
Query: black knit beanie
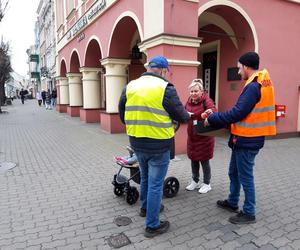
250, 59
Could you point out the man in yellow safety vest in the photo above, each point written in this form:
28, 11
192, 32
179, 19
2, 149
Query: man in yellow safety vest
147, 107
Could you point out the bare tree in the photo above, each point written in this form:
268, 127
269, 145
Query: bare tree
5, 64
5, 68
3, 7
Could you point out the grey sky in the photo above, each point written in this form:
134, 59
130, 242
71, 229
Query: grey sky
17, 27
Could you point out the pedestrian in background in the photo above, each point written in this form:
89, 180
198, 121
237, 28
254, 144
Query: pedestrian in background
22, 95
147, 107
200, 149
39, 98
44, 97
53, 98
252, 118
48, 99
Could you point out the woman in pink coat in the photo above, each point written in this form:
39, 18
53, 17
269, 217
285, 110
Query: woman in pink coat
200, 148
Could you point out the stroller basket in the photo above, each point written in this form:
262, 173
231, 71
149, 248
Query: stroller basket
135, 175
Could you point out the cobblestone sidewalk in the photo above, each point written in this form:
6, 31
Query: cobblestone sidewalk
59, 196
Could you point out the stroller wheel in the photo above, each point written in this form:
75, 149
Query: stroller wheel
171, 187
132, 195
118, 191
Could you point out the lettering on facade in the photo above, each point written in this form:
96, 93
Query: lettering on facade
95, 10
79, 25
69, 35
80, 37
85, 20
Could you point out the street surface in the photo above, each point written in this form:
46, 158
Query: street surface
60, 196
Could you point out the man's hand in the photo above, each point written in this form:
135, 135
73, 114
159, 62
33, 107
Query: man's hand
208, 111
204, 115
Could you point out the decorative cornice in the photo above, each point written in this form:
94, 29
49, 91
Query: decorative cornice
117, 61
89, 69
171, 40
184, 62
176, 62
59, 78
74, 74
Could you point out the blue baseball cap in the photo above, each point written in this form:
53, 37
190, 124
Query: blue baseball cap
158, 62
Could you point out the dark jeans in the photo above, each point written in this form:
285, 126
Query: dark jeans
205, 168
241, 173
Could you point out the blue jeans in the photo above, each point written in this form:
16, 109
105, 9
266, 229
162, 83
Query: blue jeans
241, 173
153, 169
53, 102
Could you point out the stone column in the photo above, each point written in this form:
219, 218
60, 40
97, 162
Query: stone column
63, 94
57, 85
115, 78
91, 95
75, 94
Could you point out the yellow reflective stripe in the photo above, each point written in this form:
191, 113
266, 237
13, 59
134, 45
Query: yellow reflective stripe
147, 109
149, 123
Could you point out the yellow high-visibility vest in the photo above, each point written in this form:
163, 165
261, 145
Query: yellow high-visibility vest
145, 115
261, 120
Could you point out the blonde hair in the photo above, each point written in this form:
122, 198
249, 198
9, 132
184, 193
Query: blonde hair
196, 82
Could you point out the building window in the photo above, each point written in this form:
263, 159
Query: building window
71, 6
60, 12
71, 9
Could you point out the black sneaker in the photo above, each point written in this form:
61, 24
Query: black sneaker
143, 210
150, 232
225, 205
242, 218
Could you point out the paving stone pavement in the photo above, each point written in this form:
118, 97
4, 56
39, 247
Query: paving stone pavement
60, 196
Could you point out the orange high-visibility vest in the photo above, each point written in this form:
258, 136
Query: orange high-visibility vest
261, 120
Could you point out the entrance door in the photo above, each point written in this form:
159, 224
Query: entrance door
209, 73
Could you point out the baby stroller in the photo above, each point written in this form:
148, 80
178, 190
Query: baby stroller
121, 183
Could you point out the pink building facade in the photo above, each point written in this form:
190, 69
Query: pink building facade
106, 43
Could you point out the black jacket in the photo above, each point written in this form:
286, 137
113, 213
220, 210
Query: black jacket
175, 109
